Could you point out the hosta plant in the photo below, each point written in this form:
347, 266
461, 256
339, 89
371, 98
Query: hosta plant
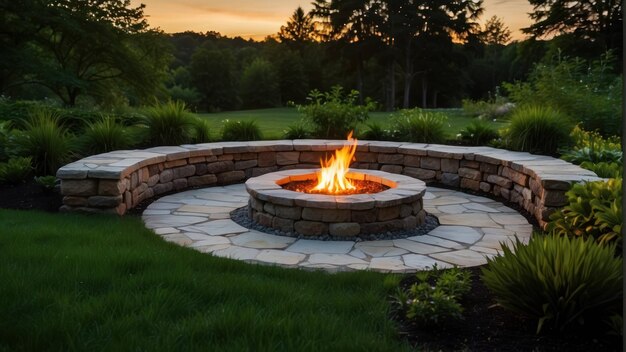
561, 282
594, 210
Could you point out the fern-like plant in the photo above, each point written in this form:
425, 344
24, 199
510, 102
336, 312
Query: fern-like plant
560, 281
16, 170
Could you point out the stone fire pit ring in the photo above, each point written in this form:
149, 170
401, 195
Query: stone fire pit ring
398, 208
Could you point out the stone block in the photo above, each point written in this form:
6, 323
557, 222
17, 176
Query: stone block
470, 164
245, 164
180, 184
310, 228
505, 193
197, 160
366, 157
421, 174
225, 157
245, 156
553, 198
184, 171
293, 213
220, 167
269, 208
467, 183
201, 169
430, 163
284, 225
154, 170
469, 174
111, 187
405, 210
75, 201
161, 188
394, 159
410, 222
104, 201
388, 213
500, 181
175, 163
153, 180
231, 177
312, 157
485, 187
287, 158
258, 171
344, 229
363, 216
256, 204
84, 187
326, 215
515, 176
381, 227
166, 176
134, 180
411, 160
450, 179
266, 159
203, 180
489, 168
394, 169
450, 165
263, 219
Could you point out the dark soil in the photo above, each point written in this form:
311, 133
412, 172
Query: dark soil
488, 327
485, 327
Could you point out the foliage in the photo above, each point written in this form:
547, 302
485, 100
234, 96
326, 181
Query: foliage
201, 130
559, 281
588, 92
297, 131
103, 136
168, 124
537, 129
299, 28
16, 170
45, 140
434, 297
213, 76
592, 147
259, 85
334, 114
594, 210
241, 131
190, 96
478, 132
376, 132
495, 32
490, 109
417, 125
47, 182
603, 169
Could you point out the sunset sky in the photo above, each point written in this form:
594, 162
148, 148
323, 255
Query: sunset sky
259, 18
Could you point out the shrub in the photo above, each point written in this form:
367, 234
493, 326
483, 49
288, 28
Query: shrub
168, 124
416, 125
260, 85
592, 147
605, 170
478, 132
434, 297
376, 132
495, 109
103, 136
241, 131
586, 91
333, 114
45, 140
594, 210
557, 280
201, 130
16, 170
297, 131
47, 182
537, 129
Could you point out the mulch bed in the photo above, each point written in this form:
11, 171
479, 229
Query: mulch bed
485, 327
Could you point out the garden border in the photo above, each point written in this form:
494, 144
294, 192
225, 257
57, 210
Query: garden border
116, 181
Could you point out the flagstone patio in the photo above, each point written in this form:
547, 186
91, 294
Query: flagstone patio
472, 229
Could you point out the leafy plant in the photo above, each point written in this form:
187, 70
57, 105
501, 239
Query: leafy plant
47, 182
333, 114
416, 125
45, 140
201, 130
434, 297
592, 147
537, 129
559, 281
103, 136
377, 132
594, 210
241, 131
297, 131
478, 132
16, 170
602, 169
168, 124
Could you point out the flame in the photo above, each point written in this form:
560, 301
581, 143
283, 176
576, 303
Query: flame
332, 178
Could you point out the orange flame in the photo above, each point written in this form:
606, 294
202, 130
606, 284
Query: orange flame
332, 178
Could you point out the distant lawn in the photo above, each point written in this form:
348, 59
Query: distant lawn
274, 122
76, 282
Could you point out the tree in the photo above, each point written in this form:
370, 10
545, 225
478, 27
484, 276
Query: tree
495, 32
299, 29
259, 85
213, 76
83, 46
598, 20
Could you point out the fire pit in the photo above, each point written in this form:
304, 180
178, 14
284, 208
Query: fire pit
336, 200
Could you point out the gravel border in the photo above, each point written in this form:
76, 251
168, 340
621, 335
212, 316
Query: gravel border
240, 216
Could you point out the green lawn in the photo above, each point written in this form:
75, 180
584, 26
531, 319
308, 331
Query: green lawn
274, 122
77, 282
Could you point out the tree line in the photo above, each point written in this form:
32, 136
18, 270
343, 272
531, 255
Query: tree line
401, 53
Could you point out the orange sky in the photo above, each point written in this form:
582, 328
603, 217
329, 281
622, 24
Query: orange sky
259, 18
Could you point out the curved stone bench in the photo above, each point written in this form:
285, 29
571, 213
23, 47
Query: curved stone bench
117, 181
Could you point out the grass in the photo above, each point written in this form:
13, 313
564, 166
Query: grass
78, 282
274, 122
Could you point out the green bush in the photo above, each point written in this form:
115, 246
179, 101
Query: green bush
594, 210
537, 129
297, 131
478, 132
434, 297
333, 114
105, 135
241, 131
377, 132
47, 182
45, 140
16, 170
168, 124
416, 125
605, 170
559, 281
592, 147
498, 108
259, 85
201, 130
589, 92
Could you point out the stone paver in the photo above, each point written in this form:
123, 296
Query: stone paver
472, 228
